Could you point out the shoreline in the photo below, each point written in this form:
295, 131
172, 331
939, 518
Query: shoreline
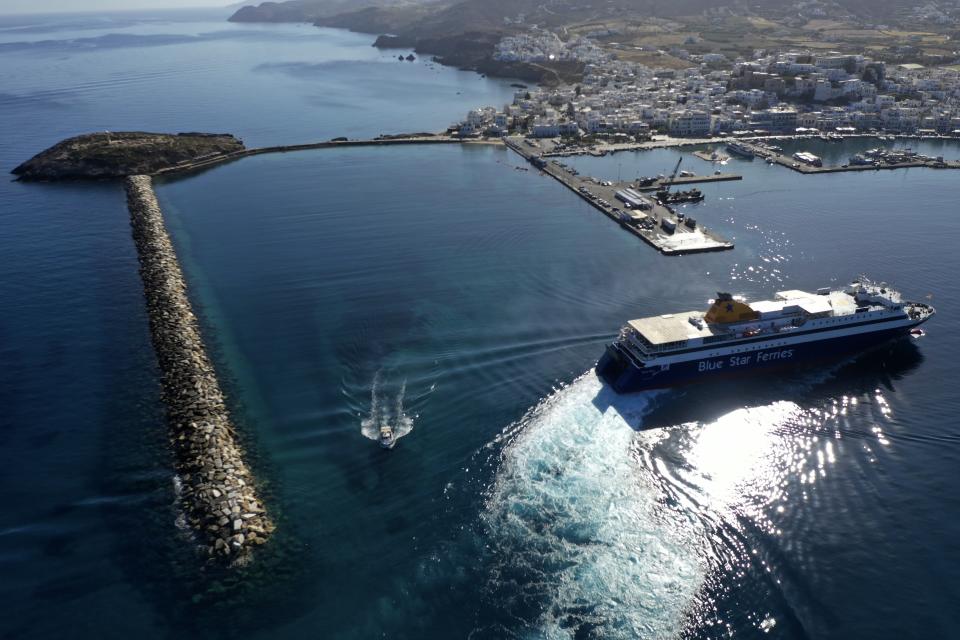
466, 51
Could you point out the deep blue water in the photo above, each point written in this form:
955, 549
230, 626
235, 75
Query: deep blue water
442, 289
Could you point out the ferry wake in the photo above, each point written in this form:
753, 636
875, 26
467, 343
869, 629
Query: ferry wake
734, 336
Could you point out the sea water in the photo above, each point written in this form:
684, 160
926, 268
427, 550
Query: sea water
465, 299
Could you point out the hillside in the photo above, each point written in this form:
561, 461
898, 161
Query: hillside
464, 33
310, 10
474, 15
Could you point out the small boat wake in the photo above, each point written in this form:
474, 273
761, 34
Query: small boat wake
387, 421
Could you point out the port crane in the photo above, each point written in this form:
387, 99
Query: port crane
666, 184
666, 198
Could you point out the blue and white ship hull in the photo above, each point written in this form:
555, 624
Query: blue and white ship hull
798, 329
626, 376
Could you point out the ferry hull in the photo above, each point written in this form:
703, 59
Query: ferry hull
621, 373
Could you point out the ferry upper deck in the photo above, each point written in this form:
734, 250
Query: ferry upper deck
730, 318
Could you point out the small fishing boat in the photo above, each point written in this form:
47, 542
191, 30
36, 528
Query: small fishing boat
387, 437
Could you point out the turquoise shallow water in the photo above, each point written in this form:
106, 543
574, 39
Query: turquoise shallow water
445, 290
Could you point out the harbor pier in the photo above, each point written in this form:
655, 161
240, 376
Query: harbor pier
661, 226
679, 181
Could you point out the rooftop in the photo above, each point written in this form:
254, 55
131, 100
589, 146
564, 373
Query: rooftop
688, 325
673, 327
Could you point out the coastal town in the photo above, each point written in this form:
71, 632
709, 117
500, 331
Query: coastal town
749, 104
773, 93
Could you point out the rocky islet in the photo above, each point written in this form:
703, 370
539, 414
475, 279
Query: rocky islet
106, 154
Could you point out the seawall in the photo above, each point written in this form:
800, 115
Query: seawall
217, 494
389, 141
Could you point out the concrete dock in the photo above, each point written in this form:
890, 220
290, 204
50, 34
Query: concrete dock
685, 180
650, 225
763, 152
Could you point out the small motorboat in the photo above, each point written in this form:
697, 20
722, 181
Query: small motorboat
387, 437
917, 332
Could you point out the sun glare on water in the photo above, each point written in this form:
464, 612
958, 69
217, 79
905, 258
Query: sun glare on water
597, 524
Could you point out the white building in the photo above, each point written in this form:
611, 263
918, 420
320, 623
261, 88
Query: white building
545, 129
689, 123
482, 116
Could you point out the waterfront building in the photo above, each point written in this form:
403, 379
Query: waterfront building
689, 123
783, 119
545, 129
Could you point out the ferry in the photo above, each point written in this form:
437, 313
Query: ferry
740, 149
735, 336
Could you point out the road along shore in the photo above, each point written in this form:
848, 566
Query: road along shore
216, 489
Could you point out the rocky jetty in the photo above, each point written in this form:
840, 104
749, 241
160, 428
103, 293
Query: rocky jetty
117, 154
217, 492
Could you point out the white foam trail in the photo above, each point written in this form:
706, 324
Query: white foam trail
370, 426
575, 523
403, 424
380, 414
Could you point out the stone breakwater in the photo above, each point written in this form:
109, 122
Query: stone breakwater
217, 491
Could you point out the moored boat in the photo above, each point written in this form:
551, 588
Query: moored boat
740, 149
679, 197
